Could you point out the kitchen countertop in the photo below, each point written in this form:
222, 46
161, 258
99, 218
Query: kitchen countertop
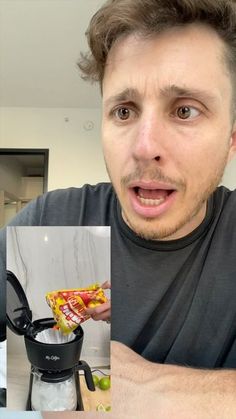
18, 374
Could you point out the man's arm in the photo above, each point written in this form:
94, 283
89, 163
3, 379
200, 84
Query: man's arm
142, 389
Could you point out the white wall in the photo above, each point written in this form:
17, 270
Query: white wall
229, 178
75, 154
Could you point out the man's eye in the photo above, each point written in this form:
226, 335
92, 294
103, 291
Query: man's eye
187, 112
122, 113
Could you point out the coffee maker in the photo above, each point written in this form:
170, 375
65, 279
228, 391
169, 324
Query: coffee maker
54, 358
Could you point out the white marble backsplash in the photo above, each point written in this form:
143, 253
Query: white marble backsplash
49, 258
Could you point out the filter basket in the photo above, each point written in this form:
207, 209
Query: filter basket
54, 336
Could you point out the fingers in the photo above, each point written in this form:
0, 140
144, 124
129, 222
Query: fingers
99, 309
106, 285
101, 312
103, 316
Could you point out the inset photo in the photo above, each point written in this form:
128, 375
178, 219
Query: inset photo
58, 318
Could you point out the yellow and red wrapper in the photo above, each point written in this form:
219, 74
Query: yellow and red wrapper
68, 306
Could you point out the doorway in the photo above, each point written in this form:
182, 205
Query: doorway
23, 177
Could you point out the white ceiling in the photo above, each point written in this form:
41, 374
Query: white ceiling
40, 43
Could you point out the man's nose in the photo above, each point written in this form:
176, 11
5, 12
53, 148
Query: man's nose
148, 143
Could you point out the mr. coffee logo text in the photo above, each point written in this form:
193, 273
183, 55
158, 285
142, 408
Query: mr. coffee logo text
52, 358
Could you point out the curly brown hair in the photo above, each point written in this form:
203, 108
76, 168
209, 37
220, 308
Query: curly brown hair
118, 18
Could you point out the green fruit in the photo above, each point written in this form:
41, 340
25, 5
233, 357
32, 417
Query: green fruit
104, 383
95, 379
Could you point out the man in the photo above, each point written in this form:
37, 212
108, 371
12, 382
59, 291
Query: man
166, 69
69, 415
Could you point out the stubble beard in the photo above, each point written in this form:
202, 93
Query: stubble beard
148, 228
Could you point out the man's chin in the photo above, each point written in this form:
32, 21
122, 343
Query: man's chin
151, 229
169, 227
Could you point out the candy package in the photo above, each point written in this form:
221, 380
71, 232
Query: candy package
69, 306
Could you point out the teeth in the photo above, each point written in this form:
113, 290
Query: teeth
150, 202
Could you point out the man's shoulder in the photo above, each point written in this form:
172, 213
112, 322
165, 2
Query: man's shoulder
225, 209
75, 193
89, 204
225, 197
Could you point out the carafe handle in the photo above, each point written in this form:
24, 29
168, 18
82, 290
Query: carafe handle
2, 397
82, 365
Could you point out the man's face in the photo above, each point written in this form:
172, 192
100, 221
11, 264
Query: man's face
167, 127
69, 415
57, 415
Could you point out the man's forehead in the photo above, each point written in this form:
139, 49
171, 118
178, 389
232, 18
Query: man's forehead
195, 32
181, 67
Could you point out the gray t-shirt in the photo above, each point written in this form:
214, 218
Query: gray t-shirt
172, 301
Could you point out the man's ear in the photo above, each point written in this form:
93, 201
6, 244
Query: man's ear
232, 147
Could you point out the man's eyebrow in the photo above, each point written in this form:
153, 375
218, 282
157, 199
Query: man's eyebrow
170, 91
128, 94
181, 91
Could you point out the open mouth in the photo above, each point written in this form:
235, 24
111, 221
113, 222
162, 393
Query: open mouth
152, 197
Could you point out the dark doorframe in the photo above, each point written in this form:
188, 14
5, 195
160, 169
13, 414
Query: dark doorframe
33, 152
